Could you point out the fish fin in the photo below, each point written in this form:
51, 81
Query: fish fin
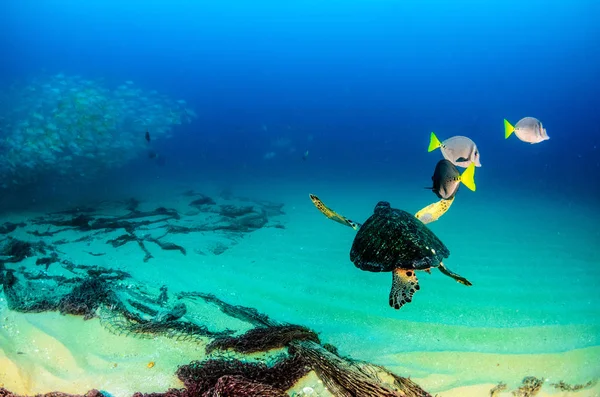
468, 177
508, 129
331, 214
434, 143
404, 285
457, 277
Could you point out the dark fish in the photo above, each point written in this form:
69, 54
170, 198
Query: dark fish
147, 136
446, 179
152, 154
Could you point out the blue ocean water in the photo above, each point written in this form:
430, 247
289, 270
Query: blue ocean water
312, 96
367, 81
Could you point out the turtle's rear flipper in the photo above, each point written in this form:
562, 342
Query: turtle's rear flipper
455, 276
331, 214
404, 285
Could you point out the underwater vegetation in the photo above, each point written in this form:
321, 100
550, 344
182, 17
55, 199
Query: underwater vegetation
127, 307
72, 127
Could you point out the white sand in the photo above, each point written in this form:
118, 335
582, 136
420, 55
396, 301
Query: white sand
534, 308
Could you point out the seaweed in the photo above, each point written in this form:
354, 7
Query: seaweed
24, 297
562, 386
173, 314
96, 291
122, 240
126, 238
529, 387
139, 306
232, 211
202, 201
47, 261
120, 321
9, 227
247, 314
175, 229
132, 204
47, 233
263, 339
163, 298
91, 393
238, 386
80, 222
167, 246
200, 377
85, 222
347, 378
96, 271
499, 388
16, 250
86, 297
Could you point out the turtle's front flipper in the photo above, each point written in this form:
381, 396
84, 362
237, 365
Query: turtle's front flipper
334, 216
434, 211
455, 276
404, 285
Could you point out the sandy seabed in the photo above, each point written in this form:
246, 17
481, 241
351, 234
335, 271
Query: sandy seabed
451, 340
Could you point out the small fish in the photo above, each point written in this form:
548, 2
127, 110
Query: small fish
147, 136
528, 129
446, 179
305, 155
459, 150
434, 211
152, 154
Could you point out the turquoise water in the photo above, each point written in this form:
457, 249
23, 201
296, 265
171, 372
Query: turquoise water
533, 266
102, 101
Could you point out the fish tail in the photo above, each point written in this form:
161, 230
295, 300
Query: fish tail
508, 129
434, 143
468, 177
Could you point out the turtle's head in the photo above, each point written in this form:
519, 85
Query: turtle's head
382, 206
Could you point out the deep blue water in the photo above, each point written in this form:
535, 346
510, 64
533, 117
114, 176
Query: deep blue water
359, 85
367, 80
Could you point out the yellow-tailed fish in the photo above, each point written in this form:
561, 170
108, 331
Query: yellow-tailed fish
446, 179
528, 129
459, 150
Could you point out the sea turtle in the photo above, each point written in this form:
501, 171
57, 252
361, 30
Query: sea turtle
395, 241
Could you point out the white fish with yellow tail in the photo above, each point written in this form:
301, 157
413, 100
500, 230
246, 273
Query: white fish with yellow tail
528, 129
459, 150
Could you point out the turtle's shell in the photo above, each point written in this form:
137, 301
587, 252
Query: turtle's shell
393, 238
